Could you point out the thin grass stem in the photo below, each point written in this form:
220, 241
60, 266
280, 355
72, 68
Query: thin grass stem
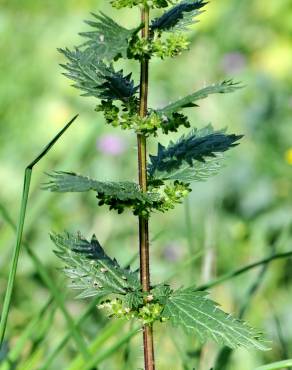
243, 270
20, 226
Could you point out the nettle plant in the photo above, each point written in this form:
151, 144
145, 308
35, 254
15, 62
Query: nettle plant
164, 180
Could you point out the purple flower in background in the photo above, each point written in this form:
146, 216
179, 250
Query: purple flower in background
111, 144
233, 62
173, 252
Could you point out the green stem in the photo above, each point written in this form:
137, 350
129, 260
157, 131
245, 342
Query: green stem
149, 363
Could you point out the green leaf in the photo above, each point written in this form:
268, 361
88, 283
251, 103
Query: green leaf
133, 300
199, 315
226, 86
88, 65
95, 78
161, 293
193, 157
179, 17
200, 171
173, 122
91, 269
118, 195
71, 182
109, 40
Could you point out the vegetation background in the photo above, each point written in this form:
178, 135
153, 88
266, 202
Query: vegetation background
238, 217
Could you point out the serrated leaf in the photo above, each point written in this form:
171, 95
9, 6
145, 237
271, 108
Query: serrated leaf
199, 315
91, 269
117, 195
133, 300
160, 293
200, 171
95, 78
226, 86
193, 157
179, 17
62, 182
109, 40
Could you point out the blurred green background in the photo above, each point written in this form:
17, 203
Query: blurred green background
240, 216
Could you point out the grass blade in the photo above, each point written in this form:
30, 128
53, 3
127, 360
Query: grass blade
47, 363
244, 269
224, 355
52, 287
16, 350
107, 332
91, 305
16, 251
276, 365
60, 301
101, 356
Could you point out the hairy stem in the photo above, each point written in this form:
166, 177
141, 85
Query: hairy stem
143, 223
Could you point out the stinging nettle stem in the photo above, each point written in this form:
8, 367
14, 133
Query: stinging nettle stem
149, 362
170, 172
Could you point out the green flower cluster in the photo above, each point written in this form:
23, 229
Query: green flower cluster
126, 117
172, 194
129, 118
116, 308
118, 4
171, 46
147, 314
160, 197
143, 208
150, 312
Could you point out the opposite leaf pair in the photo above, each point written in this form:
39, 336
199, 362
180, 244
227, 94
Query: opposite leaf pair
96, 274
192, 158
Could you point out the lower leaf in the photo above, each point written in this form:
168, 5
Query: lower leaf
199, 315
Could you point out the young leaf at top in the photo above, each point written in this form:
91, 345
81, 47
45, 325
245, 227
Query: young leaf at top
95, 78
199, 315
179, 17
226, 86
90, 269
109, 40
192, 157
118, 195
